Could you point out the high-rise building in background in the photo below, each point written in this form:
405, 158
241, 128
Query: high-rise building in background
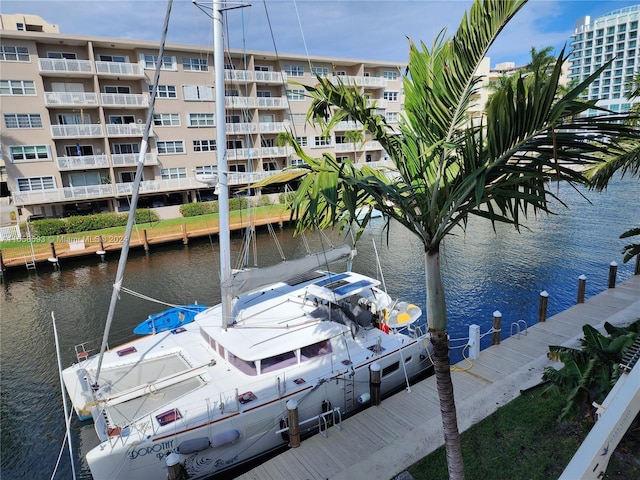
613, 36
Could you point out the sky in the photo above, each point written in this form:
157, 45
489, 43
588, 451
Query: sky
358, 29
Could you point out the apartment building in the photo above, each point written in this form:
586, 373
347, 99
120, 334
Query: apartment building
595, 42
74, 110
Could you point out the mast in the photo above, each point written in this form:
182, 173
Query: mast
221, 149
122, 262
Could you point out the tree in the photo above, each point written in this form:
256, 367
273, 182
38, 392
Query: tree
541, 60
448, 168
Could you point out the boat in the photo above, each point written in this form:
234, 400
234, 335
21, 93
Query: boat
169, 319
210, 395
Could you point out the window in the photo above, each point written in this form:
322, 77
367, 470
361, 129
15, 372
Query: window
164, 91
190, 64
268, 142
62, 55
113, 58
321, 141
173, 173
262, 68
238, 167
235, 144
150, 61
33, 184
206, 170
122, 119
28, 153
342, 139
22, 120
302, 141
294, 70
263, 94
197, 93
339, 73
204, 146
124, 148
172, 146
342, 159
166, 119
296, 95
229, 66
117, 89
201, 120
78, 150
390, 74
296, 162
390, 96
269, 166
231, 92
20, 27
10, 53
233, 119
17, 87
391, 117
320, 71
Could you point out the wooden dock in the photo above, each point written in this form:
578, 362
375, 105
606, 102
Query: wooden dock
381, 442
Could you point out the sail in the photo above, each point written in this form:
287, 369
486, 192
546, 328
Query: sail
248, 280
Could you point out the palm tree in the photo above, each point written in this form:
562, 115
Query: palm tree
448, 168
541, 60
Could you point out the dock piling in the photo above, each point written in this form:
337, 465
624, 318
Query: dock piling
294, 423
582, 287
145, 240
613, 271
185, 238
374, 383
497, 326
544, 301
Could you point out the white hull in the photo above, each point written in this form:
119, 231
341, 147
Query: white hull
224, 392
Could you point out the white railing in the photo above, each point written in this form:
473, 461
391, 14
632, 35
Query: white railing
126, 130
240, 102
125, 99
276, 151
249, 178
345, 147
62, 194
61, 99
360, 81
148, 186
233, 128
10, 233
238, 75
273, 127
131, 159
62, 65
373, 145
82, 162
72, 131
272, 102
379, 102
238, 153
348, 125
119, 69
270, 77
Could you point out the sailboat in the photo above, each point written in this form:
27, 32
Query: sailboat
209, 395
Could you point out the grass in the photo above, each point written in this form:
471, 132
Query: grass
524, 440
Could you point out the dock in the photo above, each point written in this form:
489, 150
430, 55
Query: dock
383, 441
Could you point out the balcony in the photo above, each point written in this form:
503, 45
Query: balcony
276, 151
235, 128
273, 127
345, 147
70, 99
63, 194
118, 69
379, 103
240, 102
131, 159
156, 186
368, 82
249, 178
272, 102
83, 162
76, 131
65, 68
348, 125
238, 75
372, 145
126, 130
270, 77
242, 153
134, 100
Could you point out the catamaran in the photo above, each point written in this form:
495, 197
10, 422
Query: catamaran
204, 397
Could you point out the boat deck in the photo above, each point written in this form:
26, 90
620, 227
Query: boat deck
382, 441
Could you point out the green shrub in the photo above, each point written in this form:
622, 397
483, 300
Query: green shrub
145, 215
285, 198
263, 201
198, 208
47, 226
238, 203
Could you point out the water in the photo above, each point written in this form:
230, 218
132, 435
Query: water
482, 271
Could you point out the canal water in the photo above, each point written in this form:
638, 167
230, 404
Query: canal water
483, 271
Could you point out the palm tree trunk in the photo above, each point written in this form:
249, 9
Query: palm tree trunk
437, 320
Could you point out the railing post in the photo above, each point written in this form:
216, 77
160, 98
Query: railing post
613, 271
582, 287
294, 423
374, 383
542, 311
497, 326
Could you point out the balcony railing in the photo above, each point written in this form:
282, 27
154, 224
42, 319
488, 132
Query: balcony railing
62, 65
126, 130
348, 125
70, 99
371, 82
238, 75
136, 100
149, 186
131, 159
242, 153
82, 162
276, 151
63, 194
74, 131
240, 102
273, 127
272, 102
270, 77
373, 145
118, 69
379, 102
233, 128
345, 147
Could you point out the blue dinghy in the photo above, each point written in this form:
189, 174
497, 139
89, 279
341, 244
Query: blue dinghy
169, 319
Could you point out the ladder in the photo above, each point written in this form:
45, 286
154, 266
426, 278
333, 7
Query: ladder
349, 393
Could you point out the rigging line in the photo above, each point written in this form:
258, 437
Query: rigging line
304, 42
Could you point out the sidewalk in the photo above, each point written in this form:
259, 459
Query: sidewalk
381, 442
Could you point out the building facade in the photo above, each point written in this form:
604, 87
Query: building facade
74, 110
611, 36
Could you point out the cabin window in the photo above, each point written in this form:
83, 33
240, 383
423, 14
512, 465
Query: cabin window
278, 361
315, 350
390, 369
245, 366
